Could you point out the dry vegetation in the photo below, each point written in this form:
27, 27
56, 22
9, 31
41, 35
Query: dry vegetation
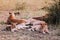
30, 8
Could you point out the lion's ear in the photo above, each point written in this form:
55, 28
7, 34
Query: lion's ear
17, 13
10, 13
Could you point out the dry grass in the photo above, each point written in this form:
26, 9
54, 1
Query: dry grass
33, 8
29, 35
25, 34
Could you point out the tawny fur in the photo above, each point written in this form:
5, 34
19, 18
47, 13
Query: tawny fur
12, 19
39, 26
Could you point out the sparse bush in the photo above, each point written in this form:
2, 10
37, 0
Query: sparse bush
54, 13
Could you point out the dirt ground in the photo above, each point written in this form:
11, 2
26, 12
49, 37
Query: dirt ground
29, 35
25, 34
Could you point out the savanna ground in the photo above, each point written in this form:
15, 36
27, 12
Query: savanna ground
29, 8
25, 34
